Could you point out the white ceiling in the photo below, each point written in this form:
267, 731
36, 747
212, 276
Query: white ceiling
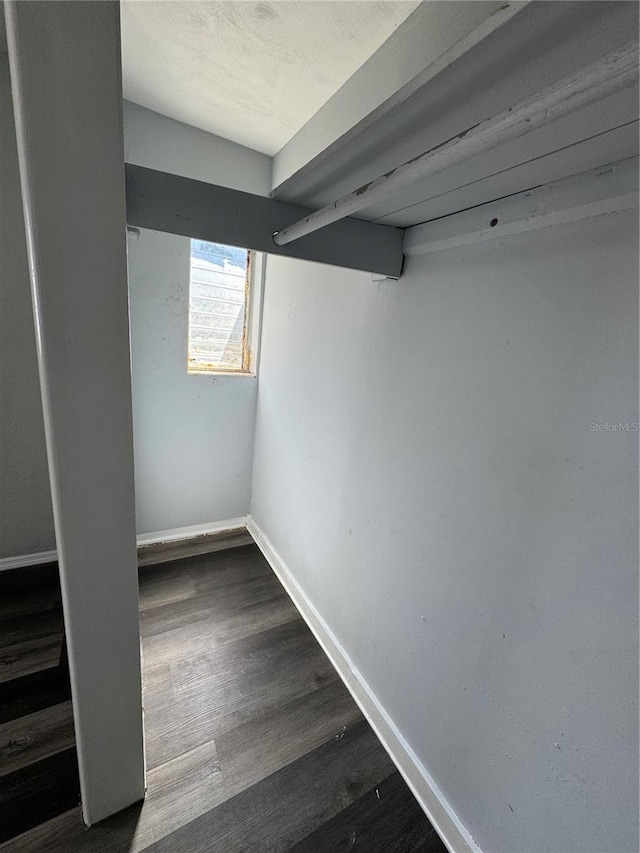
253, 72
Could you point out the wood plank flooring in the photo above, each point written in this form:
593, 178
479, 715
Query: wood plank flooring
38, 763
253, 742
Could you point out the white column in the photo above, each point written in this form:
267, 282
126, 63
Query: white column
66, 84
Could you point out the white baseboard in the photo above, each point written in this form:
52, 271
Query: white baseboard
438, 810
172, 535
25, 560
175, 534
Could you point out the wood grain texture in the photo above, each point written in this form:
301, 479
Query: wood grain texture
38, 762
387, 819
178, 549
29, 656
251, 752
175, 722
253, 742
35, 736
161, 588
210, 607
214, 625
32, 626
281, 809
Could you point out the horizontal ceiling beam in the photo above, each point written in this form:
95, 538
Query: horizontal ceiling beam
176, 205
598, 192
605, 77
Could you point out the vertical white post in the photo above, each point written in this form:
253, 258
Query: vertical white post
66, 85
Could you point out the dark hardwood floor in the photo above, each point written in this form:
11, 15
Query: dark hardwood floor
38, 764
253, 743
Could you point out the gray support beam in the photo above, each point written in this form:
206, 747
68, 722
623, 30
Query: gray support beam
66, 84
164, 202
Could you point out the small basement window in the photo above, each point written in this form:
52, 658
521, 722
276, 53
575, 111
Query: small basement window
218, 308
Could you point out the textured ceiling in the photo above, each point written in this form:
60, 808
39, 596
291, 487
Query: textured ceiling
253, 72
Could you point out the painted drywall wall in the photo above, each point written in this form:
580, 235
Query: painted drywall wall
193, 434
26, 518
162, 143
427, 469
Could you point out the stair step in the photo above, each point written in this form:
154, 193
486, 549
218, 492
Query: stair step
33, 692
27, 740
38, 792
30, 590
29, 657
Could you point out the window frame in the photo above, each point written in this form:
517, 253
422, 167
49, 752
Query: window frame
251, 325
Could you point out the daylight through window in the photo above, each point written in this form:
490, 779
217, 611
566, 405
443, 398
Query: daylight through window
218, 300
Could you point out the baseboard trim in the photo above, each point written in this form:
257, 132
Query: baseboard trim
26, 560
192, 541
190, 531
162, 545
453, 833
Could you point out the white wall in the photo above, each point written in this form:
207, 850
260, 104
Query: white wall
158, 142
193, 434
425, 468
26, 519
